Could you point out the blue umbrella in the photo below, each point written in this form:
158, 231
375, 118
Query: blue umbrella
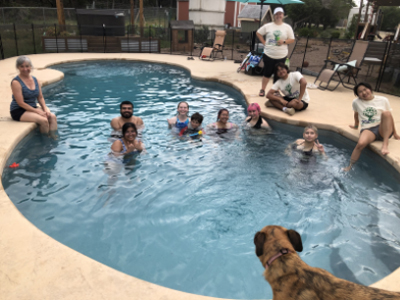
262, 2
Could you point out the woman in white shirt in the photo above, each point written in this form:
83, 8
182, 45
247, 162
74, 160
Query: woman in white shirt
377, 124
294, 88
277, 36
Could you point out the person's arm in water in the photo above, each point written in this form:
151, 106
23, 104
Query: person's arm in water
115, 124
171, 122
289, 148
116, 147
264, 124
140, 124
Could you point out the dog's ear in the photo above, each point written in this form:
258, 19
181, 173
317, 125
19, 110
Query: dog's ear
259, 240
295, 239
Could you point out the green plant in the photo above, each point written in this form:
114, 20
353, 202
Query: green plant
305, 31
325, 34
351, 30
335, 34
201, 35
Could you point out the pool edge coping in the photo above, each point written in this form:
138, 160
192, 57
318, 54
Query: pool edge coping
26, 128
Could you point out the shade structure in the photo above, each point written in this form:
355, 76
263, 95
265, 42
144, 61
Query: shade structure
262, 2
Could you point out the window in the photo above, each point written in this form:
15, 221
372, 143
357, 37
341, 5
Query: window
182, 36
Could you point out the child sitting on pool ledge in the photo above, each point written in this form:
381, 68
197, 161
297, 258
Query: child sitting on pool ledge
309, 144
377, 124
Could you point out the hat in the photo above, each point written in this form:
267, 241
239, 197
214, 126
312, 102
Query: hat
278, 9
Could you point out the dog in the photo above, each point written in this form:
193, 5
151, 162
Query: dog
291, 278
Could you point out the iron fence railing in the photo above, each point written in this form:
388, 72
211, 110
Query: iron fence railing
308, 56
154, 16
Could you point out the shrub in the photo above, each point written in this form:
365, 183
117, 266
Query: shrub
336, 34
305, 31
325, 34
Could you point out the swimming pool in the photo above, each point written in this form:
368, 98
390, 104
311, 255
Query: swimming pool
205, 200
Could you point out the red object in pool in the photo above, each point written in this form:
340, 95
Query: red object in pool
14, 165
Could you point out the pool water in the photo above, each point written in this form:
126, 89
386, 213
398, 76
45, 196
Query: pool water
184, 214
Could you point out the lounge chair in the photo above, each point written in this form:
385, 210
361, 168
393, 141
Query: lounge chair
210, 53
347, 70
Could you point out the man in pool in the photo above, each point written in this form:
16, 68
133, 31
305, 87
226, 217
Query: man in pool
126, 110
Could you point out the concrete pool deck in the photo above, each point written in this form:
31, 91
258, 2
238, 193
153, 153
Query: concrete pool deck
35, 266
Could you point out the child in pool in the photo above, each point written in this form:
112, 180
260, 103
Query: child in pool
254, 120
309, 144
194, 125
181, 120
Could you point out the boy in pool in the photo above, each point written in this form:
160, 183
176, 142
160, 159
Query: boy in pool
194, 126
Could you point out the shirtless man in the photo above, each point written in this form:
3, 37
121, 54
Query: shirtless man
126, 110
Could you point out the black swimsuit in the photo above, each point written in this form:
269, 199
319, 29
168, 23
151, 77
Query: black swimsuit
258, 124
307, 155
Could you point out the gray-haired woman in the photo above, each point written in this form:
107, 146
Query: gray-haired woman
26, 92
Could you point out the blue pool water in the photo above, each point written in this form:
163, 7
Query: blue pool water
184, 215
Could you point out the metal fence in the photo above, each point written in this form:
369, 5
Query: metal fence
308, 56
153, 16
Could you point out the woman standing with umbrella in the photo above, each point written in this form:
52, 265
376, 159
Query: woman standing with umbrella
278, 35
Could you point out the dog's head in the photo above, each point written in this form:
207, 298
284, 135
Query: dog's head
271, 239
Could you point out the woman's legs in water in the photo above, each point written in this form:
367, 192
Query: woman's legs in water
38, 119
386, 128
366, 138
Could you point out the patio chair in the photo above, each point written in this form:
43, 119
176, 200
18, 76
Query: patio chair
210, 53
343, 71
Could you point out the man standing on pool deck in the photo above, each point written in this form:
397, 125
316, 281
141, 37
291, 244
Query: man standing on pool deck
126, 110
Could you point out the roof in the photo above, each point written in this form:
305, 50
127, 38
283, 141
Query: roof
101, 12
181, 24
253, 12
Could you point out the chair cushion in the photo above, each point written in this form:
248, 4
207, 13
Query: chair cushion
342, 68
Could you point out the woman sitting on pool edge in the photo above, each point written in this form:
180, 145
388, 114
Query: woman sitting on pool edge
26, 92
222, 125
128, 143
309, 144
293, 85
254, 120
377, 124
181, 120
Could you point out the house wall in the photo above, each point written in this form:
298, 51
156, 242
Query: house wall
201, 13
207, 13
183, 11
230, 10
355, 10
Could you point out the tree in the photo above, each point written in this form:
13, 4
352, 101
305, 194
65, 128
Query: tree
320, 12
391, 18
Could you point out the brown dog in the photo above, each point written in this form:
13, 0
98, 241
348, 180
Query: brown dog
291, 278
